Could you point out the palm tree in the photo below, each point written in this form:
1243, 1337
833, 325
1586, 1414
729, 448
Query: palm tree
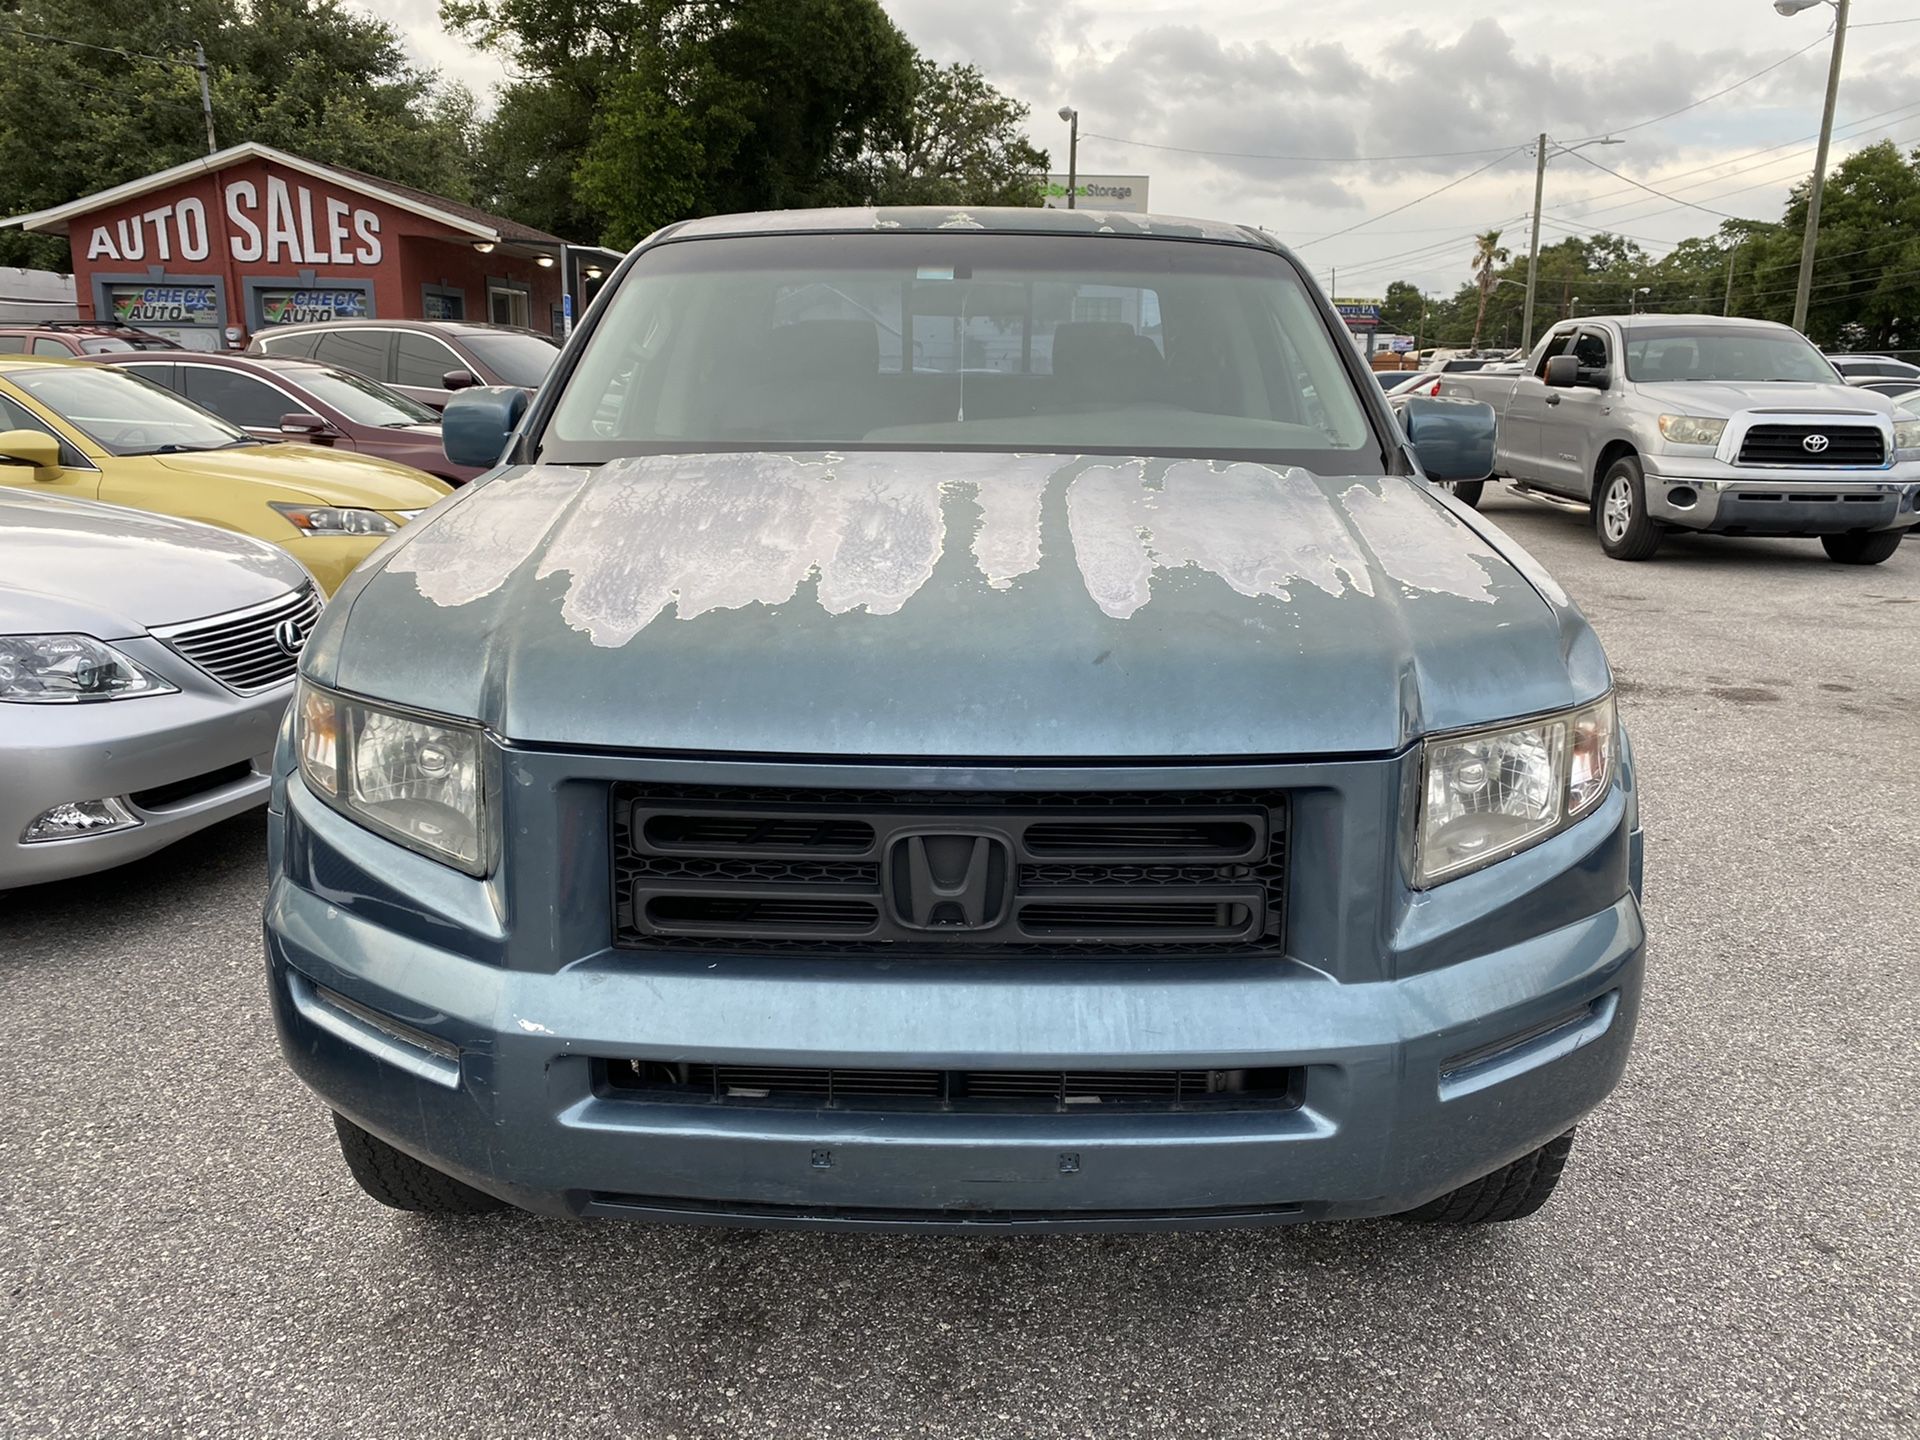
1487, 253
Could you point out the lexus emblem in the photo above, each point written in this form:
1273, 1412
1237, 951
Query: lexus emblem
288, 636
949, 882
1815, 444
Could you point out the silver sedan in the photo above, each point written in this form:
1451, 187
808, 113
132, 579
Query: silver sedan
145, 664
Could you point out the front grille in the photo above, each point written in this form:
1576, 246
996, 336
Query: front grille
1004, 1091
1848, 446
241, 649
1147, 873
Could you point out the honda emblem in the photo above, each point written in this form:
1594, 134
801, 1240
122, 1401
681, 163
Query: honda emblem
949, 882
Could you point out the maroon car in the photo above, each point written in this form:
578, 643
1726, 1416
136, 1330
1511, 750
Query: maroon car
275, 398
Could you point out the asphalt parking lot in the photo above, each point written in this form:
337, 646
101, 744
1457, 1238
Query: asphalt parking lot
1734, 1251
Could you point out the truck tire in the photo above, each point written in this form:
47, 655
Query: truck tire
1512, 1192
1467, 492
1620, 516
1857, 549
395, 1178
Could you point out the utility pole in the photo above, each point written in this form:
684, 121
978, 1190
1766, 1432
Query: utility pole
1726, 307
1533, 247
1803, 293
206, 94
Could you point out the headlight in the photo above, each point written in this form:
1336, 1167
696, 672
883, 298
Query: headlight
417, 780
1493, 793
1906, 434
1692, 429
334, 520
63, 669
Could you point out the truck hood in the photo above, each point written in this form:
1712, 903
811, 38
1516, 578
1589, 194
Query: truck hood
313, 472
956, 605
99, 570
1722, 402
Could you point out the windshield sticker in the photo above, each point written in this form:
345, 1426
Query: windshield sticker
689, 534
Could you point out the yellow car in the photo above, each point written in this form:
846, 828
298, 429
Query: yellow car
70, 428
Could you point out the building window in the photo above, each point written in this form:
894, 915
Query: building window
508, 303
442, 302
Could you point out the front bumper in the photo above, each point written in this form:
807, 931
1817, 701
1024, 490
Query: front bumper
1714, 497
51, 754
1411, 1083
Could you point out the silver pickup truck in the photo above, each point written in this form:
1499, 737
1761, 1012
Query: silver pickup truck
1694, 422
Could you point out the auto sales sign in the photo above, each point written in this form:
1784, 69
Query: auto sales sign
275, 222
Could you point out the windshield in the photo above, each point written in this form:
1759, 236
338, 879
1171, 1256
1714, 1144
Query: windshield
517, 359
950, 340
363, 401
1725, 353
124, 414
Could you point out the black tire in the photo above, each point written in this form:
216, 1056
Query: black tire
1467, 492
395, 1178
1858, 549
1620, 516
1511, 1193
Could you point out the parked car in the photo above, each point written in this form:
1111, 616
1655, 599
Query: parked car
425, 360
274, 398
1895, 388
1697, 422
814, 785
97, 433
61, 339
1865, 369
145, 664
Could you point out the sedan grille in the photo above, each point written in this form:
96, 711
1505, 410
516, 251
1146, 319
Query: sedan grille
1826, 446
244, 649
1025, 1091
976, 872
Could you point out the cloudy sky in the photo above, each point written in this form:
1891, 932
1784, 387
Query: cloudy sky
1381, 105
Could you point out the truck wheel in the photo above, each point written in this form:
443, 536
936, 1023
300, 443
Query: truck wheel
1510, 1193
1467, 492
395, 1178
1626, 531
1862, 549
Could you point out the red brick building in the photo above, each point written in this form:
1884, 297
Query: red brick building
213, 251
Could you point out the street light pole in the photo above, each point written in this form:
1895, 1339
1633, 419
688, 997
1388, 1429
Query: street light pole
1810, 242
1545, 147
1072, 117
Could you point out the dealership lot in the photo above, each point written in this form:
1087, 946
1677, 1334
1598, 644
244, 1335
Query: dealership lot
1734, 1251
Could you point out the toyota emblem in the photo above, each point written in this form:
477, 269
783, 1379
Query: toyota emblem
1815, 444
288, 637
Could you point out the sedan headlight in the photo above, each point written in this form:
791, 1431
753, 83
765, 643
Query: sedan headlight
1906, 434
419, 780
334, 520
65, 669
1490, 794
1692, 429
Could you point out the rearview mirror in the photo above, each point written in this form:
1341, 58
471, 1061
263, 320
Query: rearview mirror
1451, 437
458, 380
31, 447
1562, 373
477, 423
298, 425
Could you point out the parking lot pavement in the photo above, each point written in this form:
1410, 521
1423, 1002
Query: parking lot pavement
1734, 1251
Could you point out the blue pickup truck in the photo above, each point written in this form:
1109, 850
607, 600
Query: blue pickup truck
957, 720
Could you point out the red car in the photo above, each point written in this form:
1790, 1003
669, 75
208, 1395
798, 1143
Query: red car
274, 398
65, 339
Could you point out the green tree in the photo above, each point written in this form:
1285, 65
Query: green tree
961, 144
1488, 252
308, 76
1402, 309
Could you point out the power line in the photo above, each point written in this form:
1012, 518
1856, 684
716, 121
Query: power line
88, 45
1295, 159
1418, 199
1705, 99
1582, 155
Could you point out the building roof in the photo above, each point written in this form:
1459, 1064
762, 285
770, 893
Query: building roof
466, 219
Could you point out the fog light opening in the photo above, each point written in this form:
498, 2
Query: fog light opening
1683, 497
75, 818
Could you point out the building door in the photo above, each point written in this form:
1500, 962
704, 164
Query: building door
509, 304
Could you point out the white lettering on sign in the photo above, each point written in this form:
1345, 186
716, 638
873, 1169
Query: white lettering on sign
300, 227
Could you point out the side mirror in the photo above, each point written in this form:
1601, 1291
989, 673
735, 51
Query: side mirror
31, 447
459, 380
1597, 379
477, 423
1562, 373
298, 425
1452, 438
